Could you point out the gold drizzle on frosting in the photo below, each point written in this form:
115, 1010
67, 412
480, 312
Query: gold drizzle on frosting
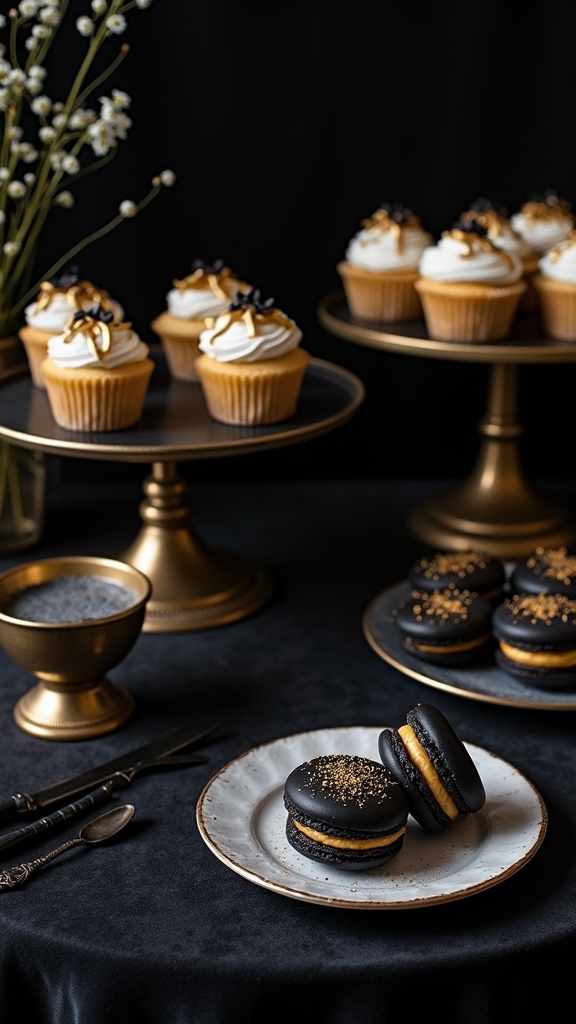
460, 562
470, 237
382, 220
347, 778
76, 295
553, 209
554, 564
493, 221
556, 251
545, 607
93, 330
217, 283
251, 317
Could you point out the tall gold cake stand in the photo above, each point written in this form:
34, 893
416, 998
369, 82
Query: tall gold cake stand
193, 586
495, 509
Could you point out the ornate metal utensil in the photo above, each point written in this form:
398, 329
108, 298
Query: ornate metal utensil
96, 831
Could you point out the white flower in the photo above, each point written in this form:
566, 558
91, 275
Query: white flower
12, 248
41, 32
4, 174
2, 217
99, 6
16, 189
65, 199
15, 133
25, 151
116, 23
47, 134
42, 105
29, 179
60, 121
101, 137
71, 164
30, 43
85, 26
168, 178
81, 119
57, 107
57, 159
50, 16
36, 71
143, 4
121, 100
121, 124
16, 77
128, 208
33, 86
2, 20
28, 7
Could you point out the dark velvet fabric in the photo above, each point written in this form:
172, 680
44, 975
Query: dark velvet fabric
153, 929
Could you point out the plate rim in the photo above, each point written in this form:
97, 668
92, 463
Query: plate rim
437, 684
315, 898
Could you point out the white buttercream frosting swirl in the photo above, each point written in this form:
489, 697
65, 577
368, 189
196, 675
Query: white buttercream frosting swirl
55, 316
377, 250
559, 263
76, 353
453, 259
196, 303
234, 344
541, 233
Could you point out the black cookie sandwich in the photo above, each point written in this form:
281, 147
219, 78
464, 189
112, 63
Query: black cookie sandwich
537, 639
465, 570
345, 810
547, 571
433, 767
446, 627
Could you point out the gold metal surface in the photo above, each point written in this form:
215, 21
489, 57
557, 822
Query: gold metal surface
193, 586
495, 509
73, 699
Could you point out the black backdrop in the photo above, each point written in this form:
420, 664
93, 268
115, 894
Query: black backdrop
286, 124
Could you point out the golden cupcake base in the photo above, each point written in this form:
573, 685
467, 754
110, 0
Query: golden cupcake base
495, 509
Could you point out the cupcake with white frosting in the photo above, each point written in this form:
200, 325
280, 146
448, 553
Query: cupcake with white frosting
251, 365
206, 292
55, 304
555, 283
97, 373
381, 265
542, 222
470, 288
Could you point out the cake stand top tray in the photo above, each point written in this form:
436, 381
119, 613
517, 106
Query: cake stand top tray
526, 344
175, 423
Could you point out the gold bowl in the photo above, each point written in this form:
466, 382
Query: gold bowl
73, 699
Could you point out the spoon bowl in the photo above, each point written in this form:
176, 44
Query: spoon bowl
106, 825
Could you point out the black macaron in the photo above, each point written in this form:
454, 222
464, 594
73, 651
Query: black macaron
466, 570
345, 810
537, 639
446, 627
547, 571
432, 765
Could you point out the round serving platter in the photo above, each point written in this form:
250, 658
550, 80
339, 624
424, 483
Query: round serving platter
241, 818
484, 680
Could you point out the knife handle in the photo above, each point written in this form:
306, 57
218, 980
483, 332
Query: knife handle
17, 804
98, 796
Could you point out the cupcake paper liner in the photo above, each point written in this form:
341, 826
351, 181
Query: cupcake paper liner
463, 311
388, 297
558, 307
97, 398
179, 339
35, 344
249, 394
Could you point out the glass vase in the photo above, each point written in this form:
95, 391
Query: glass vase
22, 497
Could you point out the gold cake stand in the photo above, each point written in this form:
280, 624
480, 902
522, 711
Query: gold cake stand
495, 509
193, 586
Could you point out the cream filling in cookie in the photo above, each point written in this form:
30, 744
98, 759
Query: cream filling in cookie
466, 645
349, 844
539, 659
422, 762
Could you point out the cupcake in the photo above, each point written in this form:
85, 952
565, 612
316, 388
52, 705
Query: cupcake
470, 289
96, 373
381, 266
57, 300
555, 284
500, 232
251, 367
206, 292
542, 222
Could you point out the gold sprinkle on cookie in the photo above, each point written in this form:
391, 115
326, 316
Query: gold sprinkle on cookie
545, 607
553, 564
460, 562
347, 778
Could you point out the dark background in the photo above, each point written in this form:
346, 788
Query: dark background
286, 124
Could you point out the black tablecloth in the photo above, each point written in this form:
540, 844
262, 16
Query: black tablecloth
152, 928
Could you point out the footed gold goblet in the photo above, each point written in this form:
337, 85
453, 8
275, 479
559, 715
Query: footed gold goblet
73, 699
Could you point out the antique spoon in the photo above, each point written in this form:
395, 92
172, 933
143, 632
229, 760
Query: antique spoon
95, 831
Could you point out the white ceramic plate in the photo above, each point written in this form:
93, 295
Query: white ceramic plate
242, 819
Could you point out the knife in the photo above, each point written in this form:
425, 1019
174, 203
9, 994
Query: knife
168, 743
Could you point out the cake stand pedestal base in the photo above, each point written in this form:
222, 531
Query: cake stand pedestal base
73, 712
495, 509
193, 586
